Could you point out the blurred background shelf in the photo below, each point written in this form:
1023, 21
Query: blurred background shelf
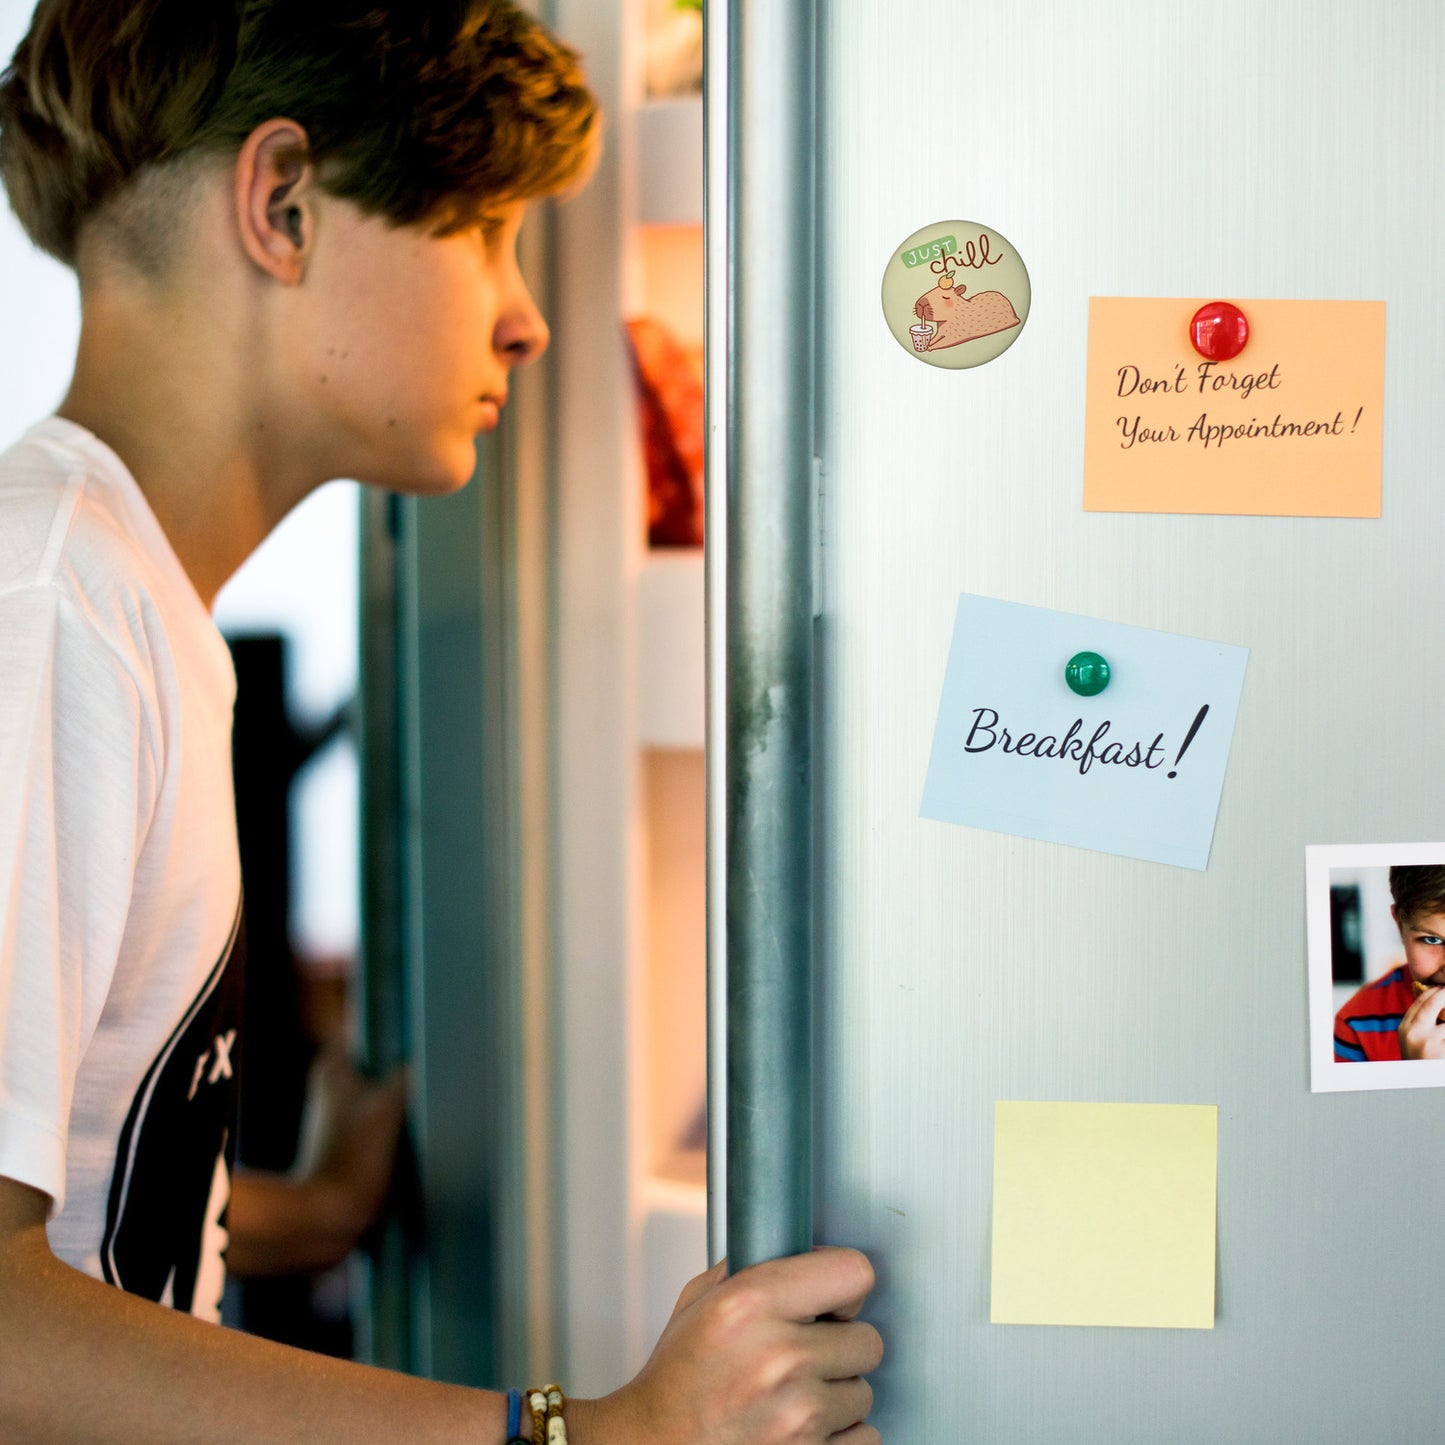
671, 679
674, 1245
630, 880
669, 162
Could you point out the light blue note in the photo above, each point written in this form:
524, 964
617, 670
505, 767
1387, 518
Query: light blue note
1017, 751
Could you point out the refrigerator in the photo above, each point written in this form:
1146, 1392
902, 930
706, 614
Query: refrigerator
891, 990
1234, 152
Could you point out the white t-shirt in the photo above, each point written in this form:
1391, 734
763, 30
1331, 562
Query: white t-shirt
120, 956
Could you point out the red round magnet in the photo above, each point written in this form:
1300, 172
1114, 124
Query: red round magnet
1219, 331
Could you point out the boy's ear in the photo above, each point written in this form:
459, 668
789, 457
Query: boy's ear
1395, 914
274, 182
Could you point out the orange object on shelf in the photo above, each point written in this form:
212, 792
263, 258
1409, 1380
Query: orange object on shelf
670, 403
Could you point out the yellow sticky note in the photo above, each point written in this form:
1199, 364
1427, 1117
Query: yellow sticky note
1291, 427
1104, 1214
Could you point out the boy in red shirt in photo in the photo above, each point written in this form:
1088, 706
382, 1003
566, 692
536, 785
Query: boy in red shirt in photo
1401, 1015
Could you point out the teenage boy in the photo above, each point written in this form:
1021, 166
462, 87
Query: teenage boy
1401, 1014
293, 223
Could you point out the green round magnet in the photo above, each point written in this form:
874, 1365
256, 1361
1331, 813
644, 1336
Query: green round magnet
1087, 674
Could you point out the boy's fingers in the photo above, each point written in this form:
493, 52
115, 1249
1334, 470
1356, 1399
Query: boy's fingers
803, 1287
858, 1435
847, 1403
1432, 998
849, 1309
393, 1089
696, 1288
848, 1350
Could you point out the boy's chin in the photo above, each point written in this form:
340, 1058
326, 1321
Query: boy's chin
437, 472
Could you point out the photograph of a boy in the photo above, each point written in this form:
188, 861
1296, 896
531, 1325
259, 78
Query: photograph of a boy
1398, 1014
294, 226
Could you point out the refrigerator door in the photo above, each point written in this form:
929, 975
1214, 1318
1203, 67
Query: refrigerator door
1126, 149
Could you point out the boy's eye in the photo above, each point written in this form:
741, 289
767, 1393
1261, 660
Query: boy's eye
1430, 938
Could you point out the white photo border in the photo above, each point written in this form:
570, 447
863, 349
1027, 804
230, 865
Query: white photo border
1327, 1076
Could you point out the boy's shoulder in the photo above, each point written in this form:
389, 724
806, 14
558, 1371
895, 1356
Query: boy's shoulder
60, 518
74, 524
1386, 997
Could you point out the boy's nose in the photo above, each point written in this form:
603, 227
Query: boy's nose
522, 332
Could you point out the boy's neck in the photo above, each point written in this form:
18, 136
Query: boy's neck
167, 389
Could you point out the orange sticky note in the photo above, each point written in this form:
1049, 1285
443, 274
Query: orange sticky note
1291, 427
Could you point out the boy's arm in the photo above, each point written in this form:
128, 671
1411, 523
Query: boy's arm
280, 1225
310, 1219
85, 1362
1348, 1048
743, 1362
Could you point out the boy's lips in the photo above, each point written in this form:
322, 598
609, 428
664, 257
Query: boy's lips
492, 405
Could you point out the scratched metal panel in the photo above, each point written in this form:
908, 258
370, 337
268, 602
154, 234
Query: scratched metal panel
1290, 149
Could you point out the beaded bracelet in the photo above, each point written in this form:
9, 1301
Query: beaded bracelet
548, 1427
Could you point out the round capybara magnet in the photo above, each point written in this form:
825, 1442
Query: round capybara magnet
956, 294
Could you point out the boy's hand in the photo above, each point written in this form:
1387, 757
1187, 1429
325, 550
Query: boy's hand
1422, 1035
310, 1219
349, 1133
772, 1356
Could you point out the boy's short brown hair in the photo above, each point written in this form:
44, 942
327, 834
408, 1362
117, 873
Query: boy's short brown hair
424, 111
1418, 890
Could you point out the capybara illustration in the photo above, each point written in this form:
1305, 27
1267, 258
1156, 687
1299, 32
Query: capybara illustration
959, 318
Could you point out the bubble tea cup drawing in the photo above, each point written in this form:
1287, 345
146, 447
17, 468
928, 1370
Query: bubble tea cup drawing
955, 295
